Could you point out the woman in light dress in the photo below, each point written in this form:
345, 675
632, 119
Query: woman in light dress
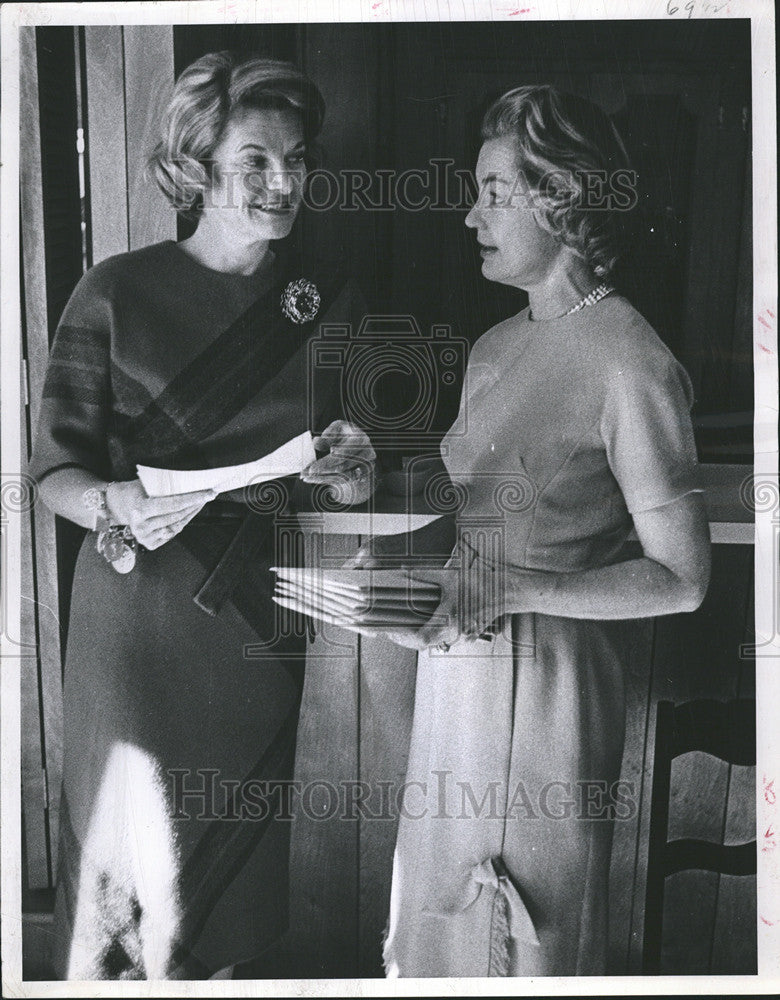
578, 431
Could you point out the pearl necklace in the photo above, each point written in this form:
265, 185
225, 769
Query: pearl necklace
598, 293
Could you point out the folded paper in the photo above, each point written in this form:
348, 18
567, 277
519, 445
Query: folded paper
354, 598
393, 582
290, 459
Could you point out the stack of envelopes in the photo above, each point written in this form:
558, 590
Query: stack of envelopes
355, 598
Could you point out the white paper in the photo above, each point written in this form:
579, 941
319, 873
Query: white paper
382, 621
367, 522
365, 582
290, 459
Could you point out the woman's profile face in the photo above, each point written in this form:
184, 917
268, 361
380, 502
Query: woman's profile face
515, 250
258, 175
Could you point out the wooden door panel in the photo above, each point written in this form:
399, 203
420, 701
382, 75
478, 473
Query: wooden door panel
105, 140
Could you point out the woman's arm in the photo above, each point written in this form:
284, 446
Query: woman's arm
646, 429
153, 520
671, 576
63, 493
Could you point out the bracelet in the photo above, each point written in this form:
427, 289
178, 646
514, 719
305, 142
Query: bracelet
94, 500
118, 546
115, 542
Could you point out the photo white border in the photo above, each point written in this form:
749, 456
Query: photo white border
767, 526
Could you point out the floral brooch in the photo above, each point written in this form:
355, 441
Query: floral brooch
301, 301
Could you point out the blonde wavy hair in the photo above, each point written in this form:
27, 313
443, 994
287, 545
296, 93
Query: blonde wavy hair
561, 139
207, 93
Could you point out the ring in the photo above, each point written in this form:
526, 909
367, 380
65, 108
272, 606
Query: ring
443, 647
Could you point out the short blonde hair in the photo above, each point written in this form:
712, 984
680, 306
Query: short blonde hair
560, 138
207, 93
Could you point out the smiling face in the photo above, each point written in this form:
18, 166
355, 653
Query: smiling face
258, 176
515, 249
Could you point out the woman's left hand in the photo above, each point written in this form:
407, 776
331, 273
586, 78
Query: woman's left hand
468, 606
348, 467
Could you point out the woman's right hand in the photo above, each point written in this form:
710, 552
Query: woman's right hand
348, 467
153, 520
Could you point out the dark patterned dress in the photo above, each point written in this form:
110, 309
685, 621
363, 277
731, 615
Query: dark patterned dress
182, 688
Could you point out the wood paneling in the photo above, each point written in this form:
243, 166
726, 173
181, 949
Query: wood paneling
324, 853
716, 214
32, 761
625, 842
387, 679
59, 166
63, 255
358, 134
47, 605
105, 140
148, 52
354, 136
129, 80
33, 250
354, 735
273, 41
41, 679
741, 358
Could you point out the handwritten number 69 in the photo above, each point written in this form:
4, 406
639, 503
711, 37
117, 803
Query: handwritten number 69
671, 8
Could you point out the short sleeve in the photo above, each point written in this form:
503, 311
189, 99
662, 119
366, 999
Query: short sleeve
72, 424
646, 427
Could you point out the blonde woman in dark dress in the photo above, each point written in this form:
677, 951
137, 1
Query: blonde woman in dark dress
187, 356
578, 430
